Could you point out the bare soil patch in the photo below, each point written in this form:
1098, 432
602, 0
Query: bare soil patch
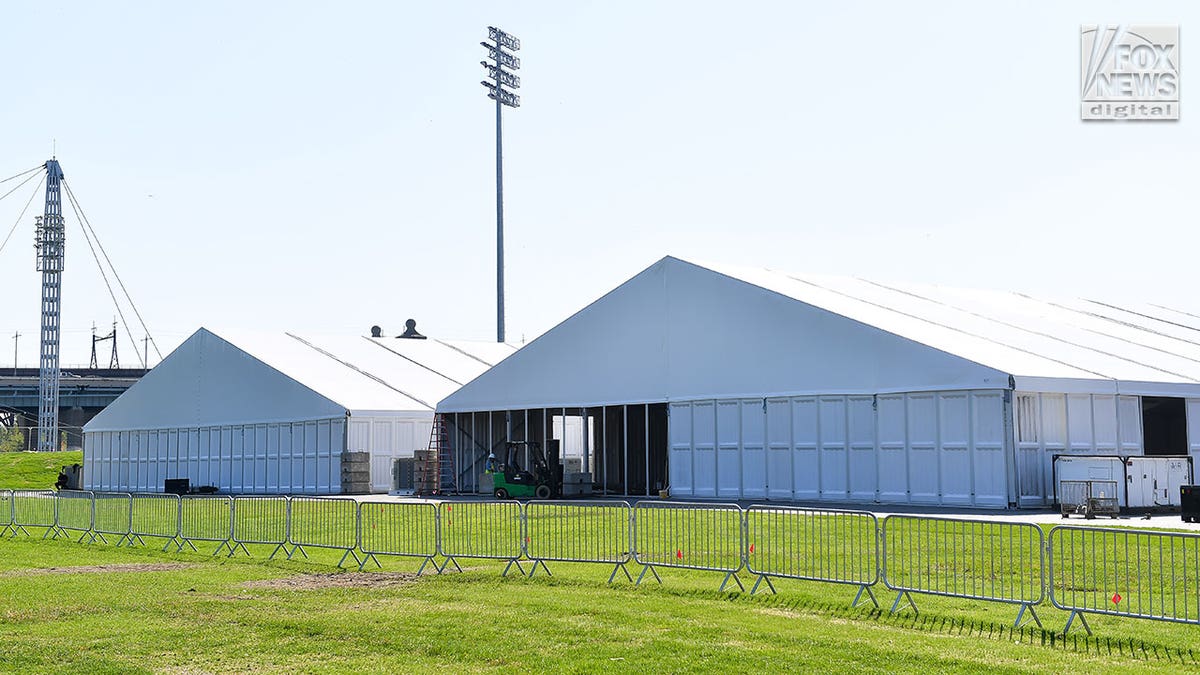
93, 569
310, 582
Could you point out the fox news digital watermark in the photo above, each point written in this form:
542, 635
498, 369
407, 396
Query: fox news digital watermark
1130, 72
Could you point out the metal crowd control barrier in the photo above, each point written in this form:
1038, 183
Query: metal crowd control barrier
688, 536
6, 514
400, 529
840, 547
33, 508
586, 532
113, 515
974, 559
480, 530
1130, 573
206, 519
156, 515
74, 511
260, 520
323, 522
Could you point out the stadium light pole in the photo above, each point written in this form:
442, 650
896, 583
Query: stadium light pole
501, 78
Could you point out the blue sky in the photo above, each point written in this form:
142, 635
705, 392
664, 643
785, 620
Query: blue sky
328, 166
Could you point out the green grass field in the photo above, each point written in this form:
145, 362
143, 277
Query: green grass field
67, 607
34, 470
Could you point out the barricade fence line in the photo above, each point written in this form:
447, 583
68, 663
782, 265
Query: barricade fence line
208, 519
973, 559
323, 522
74, 511
6, 513
407, 529
585, 532
490, 530
33, 508
112, 515
1083, 570
826, 545
260, 520
689, 536
1128, 573
155, 515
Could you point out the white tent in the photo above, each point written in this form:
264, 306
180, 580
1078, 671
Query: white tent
751, 383
273, 413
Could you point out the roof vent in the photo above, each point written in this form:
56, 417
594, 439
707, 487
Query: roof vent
410, 331
376, 331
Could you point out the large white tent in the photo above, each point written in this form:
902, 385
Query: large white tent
273, 413
729, 382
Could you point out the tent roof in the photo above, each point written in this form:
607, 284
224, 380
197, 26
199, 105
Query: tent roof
238, 377
1027, 337
683, 330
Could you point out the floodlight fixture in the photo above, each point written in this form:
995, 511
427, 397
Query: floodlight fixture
501, 78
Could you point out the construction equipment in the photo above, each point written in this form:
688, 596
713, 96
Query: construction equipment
510, 481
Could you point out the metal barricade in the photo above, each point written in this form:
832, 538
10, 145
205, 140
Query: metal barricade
74, 511
975, 559
155, 515
6, 514
1089, 498
840, 547
400, 529
688, 536
260, 520
489, 530
33, 508
206, 519
586, 532
1131, 573
323, 522
113, 515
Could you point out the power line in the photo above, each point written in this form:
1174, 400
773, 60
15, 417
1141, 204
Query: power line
14, 227
111, 294
88, 224
40, 166
19, 186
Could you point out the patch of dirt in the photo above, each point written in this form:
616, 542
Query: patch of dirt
311, 582
91, 569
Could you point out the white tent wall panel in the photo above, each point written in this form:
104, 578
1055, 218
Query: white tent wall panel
754, 451
704, 438
386, 437
892, 424
831, 430
943, 448
863, 458
988, 435
954, 449
923, 467
806, 463
1192, 407
1050, 424
298, 457
680, 460
729, 465
779, 449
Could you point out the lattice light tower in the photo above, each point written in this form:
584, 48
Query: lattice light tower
501, 78
50, 237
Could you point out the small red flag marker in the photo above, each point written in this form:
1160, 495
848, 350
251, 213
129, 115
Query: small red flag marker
679, 555
1116, 598
526, 540
752, 548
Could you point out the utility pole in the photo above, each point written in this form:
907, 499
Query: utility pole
16, 343
49, 244
500, 79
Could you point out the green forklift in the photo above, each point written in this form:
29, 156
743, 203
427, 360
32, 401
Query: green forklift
509, 480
